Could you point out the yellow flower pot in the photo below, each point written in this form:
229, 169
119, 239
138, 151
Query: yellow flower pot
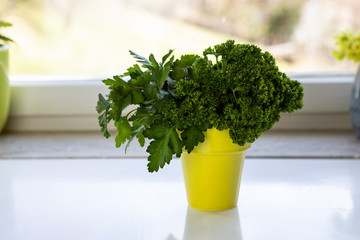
212, 172
4, 85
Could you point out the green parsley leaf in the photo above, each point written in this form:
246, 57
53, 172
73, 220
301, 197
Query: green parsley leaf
145, 62
151, 92
188, 59
123, 131
102, 104
157, 130
160, 153
166, 143
181, 66
166, 56
191, 137
153, 61
141, 138
103, 122
137, 96
175, 142
103, 108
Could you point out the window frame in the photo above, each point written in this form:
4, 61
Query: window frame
67, 103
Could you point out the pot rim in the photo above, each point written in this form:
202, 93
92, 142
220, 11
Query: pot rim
245, 148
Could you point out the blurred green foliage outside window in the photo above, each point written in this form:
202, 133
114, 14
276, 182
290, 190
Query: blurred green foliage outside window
94, 36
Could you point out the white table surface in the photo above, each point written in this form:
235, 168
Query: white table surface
106, 199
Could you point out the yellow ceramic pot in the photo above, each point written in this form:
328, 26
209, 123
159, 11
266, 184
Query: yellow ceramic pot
4, 85
212, 172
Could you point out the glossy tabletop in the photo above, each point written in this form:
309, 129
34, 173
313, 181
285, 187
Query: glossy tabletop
95, 199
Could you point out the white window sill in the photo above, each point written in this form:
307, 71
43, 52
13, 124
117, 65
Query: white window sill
85, 145
68, 103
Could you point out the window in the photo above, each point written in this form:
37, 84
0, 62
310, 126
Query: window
59, 40
93, 36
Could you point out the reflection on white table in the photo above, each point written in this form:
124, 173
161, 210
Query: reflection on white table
82, 199
212, 225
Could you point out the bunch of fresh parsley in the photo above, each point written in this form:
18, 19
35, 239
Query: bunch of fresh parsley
178, 100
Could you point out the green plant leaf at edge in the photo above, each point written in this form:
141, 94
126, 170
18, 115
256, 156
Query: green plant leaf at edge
163, 147
123, 131
191, 137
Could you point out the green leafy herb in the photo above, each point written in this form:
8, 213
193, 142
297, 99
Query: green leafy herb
177, 100
149, 90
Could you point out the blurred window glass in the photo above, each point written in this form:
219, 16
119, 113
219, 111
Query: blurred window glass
94, 36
